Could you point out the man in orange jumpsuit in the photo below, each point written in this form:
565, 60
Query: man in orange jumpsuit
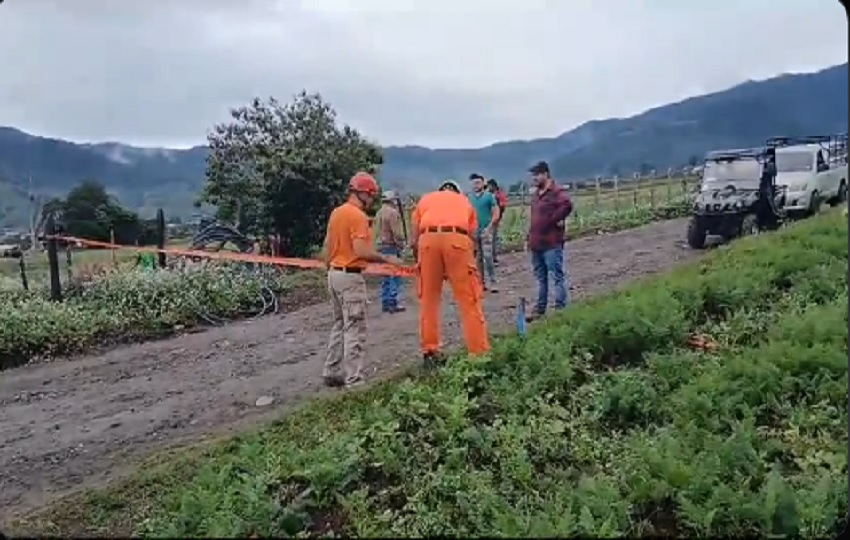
348, 247
442, 227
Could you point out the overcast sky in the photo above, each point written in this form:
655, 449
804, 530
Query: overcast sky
444, 73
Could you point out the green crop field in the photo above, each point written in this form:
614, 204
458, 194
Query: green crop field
711, 401
628, 205
83, 261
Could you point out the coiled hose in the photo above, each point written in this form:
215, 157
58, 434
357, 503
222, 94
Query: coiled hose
268, 299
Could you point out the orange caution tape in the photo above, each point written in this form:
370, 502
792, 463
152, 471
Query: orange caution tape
374, 269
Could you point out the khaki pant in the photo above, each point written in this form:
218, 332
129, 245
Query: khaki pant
348, 334
484, 258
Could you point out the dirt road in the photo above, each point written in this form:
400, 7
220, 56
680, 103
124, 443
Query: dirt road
76, 423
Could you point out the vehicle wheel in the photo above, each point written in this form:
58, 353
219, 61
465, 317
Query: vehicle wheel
814, 204
750, 225
696, 234
841, 196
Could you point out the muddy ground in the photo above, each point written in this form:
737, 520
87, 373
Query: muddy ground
77, 423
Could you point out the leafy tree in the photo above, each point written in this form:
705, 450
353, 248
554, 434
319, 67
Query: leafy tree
280, 169
693, 160
90, 212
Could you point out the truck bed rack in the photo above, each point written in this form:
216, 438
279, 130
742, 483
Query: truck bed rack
835, 146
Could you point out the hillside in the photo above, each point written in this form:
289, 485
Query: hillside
670, 135
665, 136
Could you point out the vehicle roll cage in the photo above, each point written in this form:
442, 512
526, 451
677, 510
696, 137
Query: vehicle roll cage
759, 154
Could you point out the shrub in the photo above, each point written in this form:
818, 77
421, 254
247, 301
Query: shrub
129, 305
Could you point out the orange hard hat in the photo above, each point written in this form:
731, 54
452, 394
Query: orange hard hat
363, 183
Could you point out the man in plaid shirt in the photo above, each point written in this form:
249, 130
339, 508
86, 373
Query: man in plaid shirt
550, 207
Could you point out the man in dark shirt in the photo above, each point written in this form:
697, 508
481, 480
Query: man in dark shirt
550, 207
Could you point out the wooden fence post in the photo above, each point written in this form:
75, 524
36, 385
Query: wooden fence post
652, 181
669, 186
616, 193
160, 233
523, 191
635, 190
112, 241
68, 263
596, 193
573, 191
22, 265
53, 259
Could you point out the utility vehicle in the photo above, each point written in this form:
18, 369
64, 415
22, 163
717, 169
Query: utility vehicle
737, 197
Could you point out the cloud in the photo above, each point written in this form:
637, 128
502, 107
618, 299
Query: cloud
432, 72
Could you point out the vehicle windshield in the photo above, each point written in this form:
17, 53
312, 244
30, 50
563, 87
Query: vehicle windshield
788, 162
741, 173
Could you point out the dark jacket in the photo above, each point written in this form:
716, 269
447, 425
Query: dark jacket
549, 210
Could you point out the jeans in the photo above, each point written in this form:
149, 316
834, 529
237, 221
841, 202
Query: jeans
390, 285
495, 228
546, 262
484, 258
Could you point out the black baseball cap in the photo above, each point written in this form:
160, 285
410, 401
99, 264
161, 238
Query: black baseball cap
540, 167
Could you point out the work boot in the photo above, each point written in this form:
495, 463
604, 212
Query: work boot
432, 361
533, 316
353, 381
334, 381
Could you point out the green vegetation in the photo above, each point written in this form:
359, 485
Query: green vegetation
604, 210
609, 210
135, 304
604, 421
282, 168
84, 261
90, 212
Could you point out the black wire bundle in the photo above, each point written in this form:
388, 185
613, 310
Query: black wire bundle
219, 233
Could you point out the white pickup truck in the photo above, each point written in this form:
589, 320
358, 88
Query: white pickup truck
811, 174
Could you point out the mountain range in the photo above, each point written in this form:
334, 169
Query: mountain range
666, 136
